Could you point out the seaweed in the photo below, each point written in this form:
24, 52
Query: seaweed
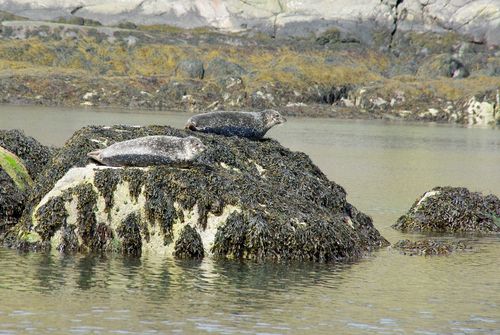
86, 207
452, 209
189, 244
429, 247
134, 177
51, 216
106, 181
130, 235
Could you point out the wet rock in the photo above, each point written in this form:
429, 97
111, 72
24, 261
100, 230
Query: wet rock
444, 66
126, 25
429, 247
21, 160
241, 199
190, 69
221, 68
34, 154
77, 20
451, 210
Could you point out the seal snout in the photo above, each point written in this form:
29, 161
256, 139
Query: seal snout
197, 146
280, 119
191, 125
274, 117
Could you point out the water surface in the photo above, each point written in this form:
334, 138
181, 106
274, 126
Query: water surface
384, 168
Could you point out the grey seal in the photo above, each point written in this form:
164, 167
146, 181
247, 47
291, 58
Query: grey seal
253, 125
150, 150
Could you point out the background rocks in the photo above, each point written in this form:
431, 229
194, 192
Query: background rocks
476, 19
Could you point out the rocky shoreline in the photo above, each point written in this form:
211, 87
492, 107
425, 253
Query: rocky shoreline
418, 76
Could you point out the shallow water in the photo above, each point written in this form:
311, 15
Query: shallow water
383, 166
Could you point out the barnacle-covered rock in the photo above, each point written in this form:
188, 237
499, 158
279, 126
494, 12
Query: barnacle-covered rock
240, 199
452, 209
429, 247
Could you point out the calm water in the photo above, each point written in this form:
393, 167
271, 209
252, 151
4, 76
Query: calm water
384, 168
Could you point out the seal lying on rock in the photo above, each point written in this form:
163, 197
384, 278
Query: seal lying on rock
150, 150
253, 125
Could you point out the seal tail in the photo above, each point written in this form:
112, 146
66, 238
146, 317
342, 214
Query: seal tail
95, 156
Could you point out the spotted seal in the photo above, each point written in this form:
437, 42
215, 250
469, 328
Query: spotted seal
150, 150
253, 125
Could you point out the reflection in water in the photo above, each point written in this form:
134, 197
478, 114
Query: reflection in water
384, 168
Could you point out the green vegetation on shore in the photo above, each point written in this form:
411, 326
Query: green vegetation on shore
145, 67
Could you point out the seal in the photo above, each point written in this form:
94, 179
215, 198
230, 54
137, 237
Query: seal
253, 125
150, 150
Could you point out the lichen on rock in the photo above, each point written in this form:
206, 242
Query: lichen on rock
452, 209
240, 199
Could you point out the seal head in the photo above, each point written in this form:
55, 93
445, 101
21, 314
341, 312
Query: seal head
272, 118
150, 150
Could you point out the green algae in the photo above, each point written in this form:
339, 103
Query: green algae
15, 168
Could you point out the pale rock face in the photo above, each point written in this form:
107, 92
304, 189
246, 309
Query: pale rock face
123, 205
481, 113
479, 19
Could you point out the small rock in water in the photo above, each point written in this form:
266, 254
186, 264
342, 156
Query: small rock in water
429, 247
452, 209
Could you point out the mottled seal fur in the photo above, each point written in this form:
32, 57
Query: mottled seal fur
253, 125
150, 150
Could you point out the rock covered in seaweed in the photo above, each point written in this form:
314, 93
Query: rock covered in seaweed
34, 154
21, 159
429, 247
452, 209
240, 199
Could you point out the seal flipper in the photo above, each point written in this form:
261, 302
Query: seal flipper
95, 156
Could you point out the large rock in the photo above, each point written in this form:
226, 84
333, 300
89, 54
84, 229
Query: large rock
478, 19
240, 199
452, 209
